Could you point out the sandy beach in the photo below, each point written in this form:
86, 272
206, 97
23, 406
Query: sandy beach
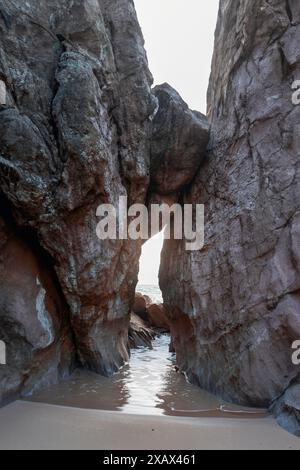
35, 426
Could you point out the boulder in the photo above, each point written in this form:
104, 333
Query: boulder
178, 143
287, 410
157, 317
140, 334
141, 303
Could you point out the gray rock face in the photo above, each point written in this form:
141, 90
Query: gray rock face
74, 133
178, 145
76, 124
235, 305
287, 410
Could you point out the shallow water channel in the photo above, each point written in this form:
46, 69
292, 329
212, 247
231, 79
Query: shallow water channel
149, 384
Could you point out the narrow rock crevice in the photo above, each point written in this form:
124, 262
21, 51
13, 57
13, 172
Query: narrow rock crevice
82, 126
240, 306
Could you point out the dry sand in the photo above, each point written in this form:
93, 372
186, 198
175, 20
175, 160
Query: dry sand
25, 425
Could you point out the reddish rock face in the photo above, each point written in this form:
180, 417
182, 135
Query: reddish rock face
141, 303
157, 316
76, 131
235, 305
140, 333
34, 322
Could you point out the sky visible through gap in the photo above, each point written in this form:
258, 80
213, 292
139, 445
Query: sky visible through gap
179, 39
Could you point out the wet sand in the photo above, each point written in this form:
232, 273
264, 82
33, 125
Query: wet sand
148, 405
35, 426
148, 385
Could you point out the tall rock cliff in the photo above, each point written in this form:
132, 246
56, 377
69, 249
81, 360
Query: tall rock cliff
81, 126
235, 305
74, 133
77, 116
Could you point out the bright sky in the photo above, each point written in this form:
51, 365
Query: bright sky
179, 39
150, 260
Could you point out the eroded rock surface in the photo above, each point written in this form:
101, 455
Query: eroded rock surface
140, 334
74, 133
235, 306
80, 126
178, 144
141, 303
76, 125
287, 410
34, 322
157, 317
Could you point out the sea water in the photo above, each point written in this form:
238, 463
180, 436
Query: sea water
149, 384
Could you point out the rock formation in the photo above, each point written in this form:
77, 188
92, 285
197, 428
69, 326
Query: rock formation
81, 126
178, 143
139, 334
287, 410
74, 133
157, 317
77, 116
235, 306
141, 303
34, 321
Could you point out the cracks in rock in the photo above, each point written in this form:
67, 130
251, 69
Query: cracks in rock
289, 220
32, 20
11, 171
285, 66
218, 195
289, 10
6, 19
294, 381
55, 129
40, 26
30, 237
269, 304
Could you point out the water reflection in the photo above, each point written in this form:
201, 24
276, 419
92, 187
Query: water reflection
148, 385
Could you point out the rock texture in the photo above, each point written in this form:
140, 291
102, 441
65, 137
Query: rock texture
77, 118
140, 334
235, 306
287, 410
80, 126
73, 134
34, 322
157, 317
178, 144
141, 303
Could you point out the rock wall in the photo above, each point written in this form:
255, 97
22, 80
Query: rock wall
235, 305
34, 322
77, 116
74, 133
80, 126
